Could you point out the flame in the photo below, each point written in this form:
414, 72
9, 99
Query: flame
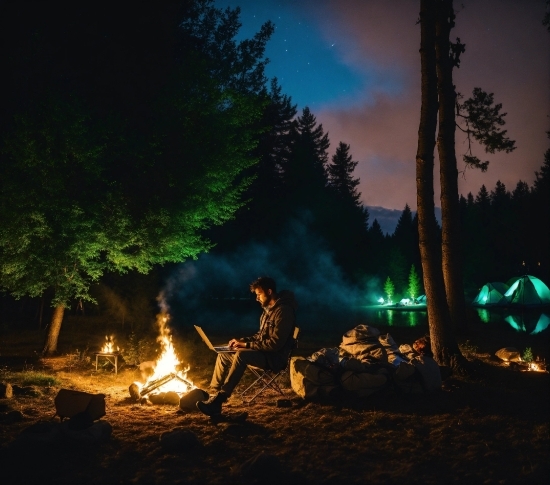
537, 366
109, 346
168, 364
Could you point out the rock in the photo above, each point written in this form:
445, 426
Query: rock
11, 417
134, 391
98, 432
172, 397
157, 398
509, 354
179, 439
40, 433
189, 401
6, 390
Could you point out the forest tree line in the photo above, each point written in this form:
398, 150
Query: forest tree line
150, 136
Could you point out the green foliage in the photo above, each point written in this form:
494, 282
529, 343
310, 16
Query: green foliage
482, 120
389, 289
123, 171
414, 283
528, 355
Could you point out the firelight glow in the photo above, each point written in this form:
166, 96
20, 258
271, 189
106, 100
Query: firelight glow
168, 364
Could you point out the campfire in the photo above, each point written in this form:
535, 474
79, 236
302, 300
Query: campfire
169, 381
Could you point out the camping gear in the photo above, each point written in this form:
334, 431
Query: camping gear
69, 403
526, 291
267, 378
490, 294
309, 380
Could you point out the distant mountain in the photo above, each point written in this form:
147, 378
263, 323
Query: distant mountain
387, 218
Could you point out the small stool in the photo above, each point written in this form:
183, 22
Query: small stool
108, 357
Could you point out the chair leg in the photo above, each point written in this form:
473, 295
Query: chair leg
265, 380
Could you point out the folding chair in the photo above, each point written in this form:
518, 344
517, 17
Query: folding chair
266, 378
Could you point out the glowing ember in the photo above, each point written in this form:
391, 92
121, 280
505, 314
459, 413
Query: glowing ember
167, 367
537, 366
109, 347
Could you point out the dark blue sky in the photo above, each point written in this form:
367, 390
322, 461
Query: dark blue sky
356, 64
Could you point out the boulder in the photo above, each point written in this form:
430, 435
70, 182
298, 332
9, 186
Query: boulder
6, 390
509, 354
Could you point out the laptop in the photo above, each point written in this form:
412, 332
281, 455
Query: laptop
218, 348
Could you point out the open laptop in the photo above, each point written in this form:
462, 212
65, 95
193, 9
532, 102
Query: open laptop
218, 348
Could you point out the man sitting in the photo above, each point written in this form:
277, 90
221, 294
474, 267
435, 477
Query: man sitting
269, 348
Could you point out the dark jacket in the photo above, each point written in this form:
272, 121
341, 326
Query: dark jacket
276, 328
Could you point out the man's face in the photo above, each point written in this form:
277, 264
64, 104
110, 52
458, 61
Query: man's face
262, 297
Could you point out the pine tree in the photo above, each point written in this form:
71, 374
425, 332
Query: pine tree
414, 284
389, 289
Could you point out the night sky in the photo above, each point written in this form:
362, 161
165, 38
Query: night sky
356, 65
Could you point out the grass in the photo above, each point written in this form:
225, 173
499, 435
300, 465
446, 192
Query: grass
492, 428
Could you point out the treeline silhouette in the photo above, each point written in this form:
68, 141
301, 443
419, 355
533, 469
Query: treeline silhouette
153, 128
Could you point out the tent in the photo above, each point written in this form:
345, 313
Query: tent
490, 293
526, 291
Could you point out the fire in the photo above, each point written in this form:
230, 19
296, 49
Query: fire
537, 366
168, 375
109, 347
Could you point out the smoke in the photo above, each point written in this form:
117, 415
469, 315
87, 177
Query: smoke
214, 290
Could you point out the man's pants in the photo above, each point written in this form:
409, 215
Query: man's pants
230, 368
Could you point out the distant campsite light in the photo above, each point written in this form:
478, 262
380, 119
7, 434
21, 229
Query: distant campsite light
109, 347
381, 301
405, 301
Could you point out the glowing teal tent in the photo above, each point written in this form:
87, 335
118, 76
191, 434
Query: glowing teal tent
526, 291
490, 294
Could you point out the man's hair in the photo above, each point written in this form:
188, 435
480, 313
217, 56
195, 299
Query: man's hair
265, 283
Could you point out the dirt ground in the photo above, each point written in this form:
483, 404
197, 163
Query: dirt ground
490, 428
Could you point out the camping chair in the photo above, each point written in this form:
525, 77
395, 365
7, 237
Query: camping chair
267, 379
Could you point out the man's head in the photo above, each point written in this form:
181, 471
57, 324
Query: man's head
265, 289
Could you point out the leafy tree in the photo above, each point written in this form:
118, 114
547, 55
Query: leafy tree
113, 173
389, 289
414, 283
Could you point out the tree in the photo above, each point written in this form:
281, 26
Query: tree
105, 168
414, 283
346, 219
482, 119
444, 346
389, 289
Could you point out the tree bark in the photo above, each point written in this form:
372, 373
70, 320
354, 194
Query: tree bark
50, 346
450, 213
443, 345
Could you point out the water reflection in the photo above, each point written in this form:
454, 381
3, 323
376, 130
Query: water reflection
531, 321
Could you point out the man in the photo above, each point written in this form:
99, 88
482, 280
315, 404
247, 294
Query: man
269, 348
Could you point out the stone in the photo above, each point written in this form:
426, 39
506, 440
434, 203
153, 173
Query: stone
134, 391
509, 354
6, 390
11, 417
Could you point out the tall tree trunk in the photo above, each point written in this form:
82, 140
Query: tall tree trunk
50, 346
450, 215
444, 346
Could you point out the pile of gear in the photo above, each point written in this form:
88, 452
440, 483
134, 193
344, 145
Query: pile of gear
364, 363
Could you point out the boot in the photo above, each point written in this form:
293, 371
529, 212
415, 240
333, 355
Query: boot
213, 406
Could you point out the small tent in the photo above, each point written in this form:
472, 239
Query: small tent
526, 291
490, 294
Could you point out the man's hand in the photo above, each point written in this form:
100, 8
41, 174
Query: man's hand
237, 344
